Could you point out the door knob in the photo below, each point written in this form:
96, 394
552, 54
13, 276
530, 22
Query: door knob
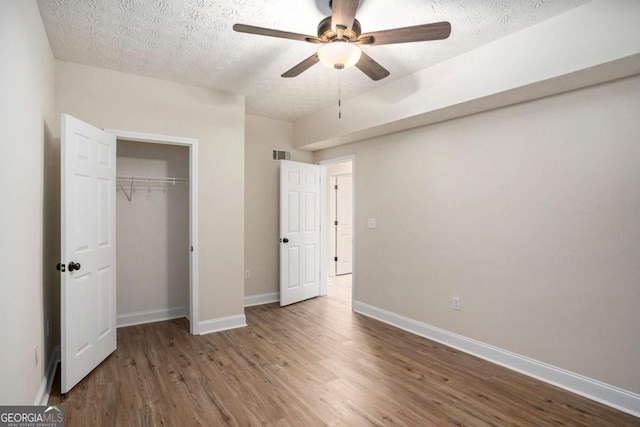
74, 266
285, 240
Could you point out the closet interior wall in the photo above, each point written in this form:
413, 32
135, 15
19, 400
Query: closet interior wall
152, 234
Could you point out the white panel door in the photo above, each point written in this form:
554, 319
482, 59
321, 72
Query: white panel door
344, 233
299, 231
88, 295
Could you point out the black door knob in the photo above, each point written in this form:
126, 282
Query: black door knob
285, 240
74, 266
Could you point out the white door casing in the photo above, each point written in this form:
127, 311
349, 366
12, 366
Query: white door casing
88, 294
192, 144
344, 238
299, 231
331, 227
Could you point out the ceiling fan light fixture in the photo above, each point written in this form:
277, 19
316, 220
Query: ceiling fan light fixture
339, 54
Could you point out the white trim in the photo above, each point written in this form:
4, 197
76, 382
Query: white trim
324, 245
617, 398
222, 324
324, 254
150, 316
192, 143
259, 299
42, 398
152, 138
194, 300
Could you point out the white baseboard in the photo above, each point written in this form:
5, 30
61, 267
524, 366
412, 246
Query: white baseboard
149, 316
45, 386
260, 299
620, 399
222, 324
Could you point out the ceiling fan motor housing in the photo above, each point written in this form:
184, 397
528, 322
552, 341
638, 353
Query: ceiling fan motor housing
327, 34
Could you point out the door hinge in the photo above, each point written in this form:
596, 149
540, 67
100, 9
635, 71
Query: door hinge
335, 258
335, 222
335, 186
191, 248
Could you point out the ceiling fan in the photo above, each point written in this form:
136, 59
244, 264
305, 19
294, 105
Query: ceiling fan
340, 35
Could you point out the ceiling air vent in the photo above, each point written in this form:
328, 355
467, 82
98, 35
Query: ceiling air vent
281, 155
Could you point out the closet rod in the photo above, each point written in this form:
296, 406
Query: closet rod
146, 181
151, 180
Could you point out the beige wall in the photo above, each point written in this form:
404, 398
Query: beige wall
152, 230
116, 100
27, 276
529, 214
261, 200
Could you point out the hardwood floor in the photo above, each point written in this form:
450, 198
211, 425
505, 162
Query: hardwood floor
313, 363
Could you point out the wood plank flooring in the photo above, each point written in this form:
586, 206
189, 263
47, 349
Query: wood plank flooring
311, 364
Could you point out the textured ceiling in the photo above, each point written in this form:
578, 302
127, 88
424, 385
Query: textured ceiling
191, 41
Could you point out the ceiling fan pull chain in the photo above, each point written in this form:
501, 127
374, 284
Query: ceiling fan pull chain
339, 96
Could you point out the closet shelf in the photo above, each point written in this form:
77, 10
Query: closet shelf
152, 180
147, 182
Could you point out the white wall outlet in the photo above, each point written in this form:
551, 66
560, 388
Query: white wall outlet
371, 223
247, 274
35, 350
456, 303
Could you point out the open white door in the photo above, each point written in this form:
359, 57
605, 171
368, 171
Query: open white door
299, 231
344, 235
88, 295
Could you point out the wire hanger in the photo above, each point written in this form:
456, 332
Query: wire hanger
128, 196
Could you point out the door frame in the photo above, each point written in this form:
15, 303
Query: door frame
324, 244
192, 144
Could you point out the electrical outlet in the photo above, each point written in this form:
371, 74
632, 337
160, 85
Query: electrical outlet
247, 274
456, 303
371, 223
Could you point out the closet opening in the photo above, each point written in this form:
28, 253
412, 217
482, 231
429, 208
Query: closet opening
156, 229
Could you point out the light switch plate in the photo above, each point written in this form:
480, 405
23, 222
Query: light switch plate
371, 223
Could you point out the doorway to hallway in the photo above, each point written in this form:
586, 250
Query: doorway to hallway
338, 227
339, 218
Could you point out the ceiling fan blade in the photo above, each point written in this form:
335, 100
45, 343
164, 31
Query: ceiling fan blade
303, 66
363, 41
343, 13
371, 68
250, 29
418, 33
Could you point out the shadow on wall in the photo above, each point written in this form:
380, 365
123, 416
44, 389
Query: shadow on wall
397, 91
51, 241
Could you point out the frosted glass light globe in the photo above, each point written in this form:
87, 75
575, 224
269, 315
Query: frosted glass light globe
339, 54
